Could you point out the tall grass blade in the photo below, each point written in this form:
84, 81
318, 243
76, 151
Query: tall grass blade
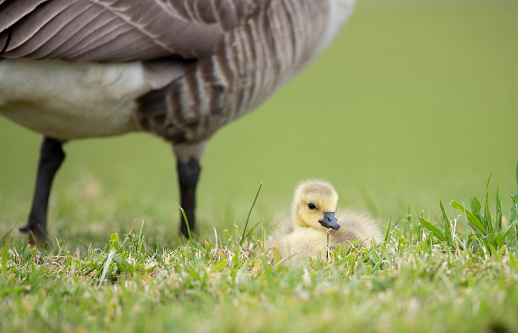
140, 237
186, 223
433, 229
250, 213
514, 204
476, 209
252, 229
472, 219
498, 208
447, 224
387, 233
487, 214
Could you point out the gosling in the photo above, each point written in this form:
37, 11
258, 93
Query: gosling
312, 217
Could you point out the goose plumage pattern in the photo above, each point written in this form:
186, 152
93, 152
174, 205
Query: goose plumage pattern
180, 69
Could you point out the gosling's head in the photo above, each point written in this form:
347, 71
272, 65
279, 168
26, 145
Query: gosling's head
314, 205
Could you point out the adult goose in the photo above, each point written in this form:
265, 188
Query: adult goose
180, 69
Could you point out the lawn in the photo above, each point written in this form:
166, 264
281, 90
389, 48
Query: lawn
422, 277
415, 103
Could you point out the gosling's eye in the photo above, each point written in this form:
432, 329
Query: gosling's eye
312, 206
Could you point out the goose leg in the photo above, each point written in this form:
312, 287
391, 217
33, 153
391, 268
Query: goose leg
188, 175
51, 157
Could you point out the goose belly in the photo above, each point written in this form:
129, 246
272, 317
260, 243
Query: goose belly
71, 101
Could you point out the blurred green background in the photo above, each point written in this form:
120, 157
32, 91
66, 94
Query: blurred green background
416, 101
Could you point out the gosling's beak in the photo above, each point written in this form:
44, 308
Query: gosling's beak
329, 221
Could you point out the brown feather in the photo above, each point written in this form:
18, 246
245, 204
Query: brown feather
97, 30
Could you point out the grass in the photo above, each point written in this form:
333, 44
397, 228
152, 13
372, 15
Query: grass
411, 108
423, 277
414, 100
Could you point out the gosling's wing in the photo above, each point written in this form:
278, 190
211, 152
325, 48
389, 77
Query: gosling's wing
116, 30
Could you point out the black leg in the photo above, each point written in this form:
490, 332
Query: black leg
188, 175
51, 157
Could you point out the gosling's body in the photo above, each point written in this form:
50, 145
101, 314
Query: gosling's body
300, 243
305, 236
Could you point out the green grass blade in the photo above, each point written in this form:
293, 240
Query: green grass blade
250, 213
472, 220
433, 229
5, 255
219, 266
123, 264
36, 273
487, 214
476, 209
487, 217
252, 229
276, 254
502, 235
447, 224
488, 181
514, 204
498, 208
69, 260
114, 241
140, 238
387, 233
514, 208
186, 223
513, 262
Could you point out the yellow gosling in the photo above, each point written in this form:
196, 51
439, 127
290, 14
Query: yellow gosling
313, 215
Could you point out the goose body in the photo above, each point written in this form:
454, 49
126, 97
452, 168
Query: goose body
305, 235
80, 101
179, 69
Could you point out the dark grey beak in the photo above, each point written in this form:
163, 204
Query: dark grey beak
329, 221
